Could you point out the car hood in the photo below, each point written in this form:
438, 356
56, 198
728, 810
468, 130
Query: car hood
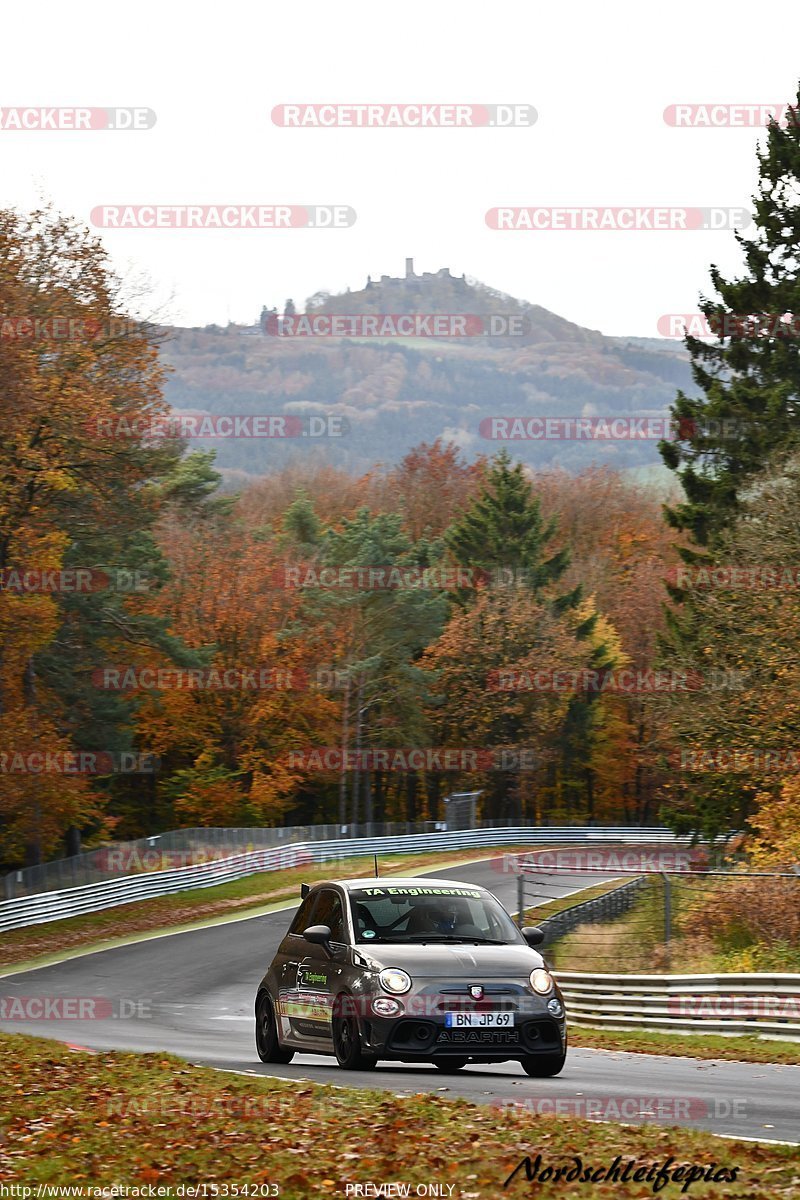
459, 961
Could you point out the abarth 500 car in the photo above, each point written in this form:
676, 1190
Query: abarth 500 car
410, 970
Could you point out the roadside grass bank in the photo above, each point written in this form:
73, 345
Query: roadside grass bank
687, 1045
635, 942
540, 912
631, 943
54, 938
98, 1120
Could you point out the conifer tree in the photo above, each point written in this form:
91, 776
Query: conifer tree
749, 377
503, 530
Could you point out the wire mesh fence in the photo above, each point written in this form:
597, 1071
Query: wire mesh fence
193, 846
180, 848
664, 920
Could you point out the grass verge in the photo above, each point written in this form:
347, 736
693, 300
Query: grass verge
637, 939
634, 938
680, 1045
549, 909
98, 1120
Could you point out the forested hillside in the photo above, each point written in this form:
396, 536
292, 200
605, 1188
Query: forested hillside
394, 392
355, 626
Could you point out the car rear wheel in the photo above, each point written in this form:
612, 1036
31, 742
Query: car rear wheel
540, 1065
347, 1039
267, 1044
450, 1065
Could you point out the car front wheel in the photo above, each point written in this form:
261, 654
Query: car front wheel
267, 1044
347, 1039
540, 1065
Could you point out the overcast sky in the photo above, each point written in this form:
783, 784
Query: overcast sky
599, 76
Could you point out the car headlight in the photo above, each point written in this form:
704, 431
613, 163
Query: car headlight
555, 1007
394, 980
542, 981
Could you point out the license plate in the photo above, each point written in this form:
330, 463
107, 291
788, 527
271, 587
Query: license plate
479, 1020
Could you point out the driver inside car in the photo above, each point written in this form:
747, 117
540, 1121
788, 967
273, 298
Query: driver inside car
445, 916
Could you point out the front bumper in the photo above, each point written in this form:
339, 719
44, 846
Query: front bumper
419, 1032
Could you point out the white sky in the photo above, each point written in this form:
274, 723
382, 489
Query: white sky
600, 76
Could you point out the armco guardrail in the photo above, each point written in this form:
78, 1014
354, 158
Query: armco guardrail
193, 845
755, 1003
188, 847
71, 902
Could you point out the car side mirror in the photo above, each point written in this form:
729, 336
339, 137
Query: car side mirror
318, 935
533, 935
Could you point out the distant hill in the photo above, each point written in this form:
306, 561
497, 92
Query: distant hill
395, 392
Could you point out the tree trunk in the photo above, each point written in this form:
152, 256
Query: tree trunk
357, 767
33, 845
411, 796
72, 841
380, 797
345, 739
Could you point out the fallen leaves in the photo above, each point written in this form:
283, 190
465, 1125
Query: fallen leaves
148, 1119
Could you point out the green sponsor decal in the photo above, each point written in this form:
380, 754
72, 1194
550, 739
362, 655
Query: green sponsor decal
306, 977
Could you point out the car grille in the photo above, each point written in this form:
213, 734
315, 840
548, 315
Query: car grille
495, 999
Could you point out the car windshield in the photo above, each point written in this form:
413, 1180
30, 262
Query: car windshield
409, 914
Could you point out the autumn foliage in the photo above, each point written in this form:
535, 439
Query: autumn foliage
566, 574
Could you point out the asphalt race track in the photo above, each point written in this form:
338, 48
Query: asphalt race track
192, 994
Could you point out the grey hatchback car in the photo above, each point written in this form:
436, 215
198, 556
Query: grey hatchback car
410, 970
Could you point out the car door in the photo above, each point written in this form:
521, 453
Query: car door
286, 962
313, 974
320, 970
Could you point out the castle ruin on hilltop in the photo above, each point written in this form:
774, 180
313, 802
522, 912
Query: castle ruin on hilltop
398, 290
410, 277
